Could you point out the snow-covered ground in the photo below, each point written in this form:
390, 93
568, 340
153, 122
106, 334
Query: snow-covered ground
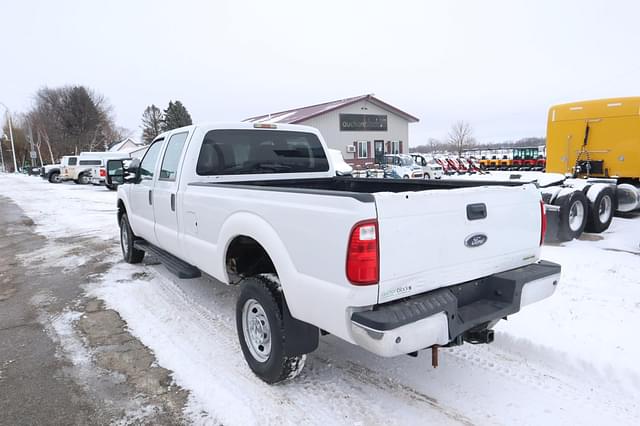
571, 359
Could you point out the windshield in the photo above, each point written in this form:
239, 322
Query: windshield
406, 161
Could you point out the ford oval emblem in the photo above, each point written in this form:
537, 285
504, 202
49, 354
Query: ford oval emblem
475, 240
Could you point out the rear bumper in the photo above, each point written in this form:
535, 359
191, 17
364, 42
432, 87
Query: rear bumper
446, 314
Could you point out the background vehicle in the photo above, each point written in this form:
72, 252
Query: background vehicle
341, 166
84, 168
597, 144
68, 165
430, 169
259, 205
401, 166
98, 170
51, 172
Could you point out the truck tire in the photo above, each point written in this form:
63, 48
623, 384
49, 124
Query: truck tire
129, 252
83, 179
427, 176
574, 209
261, 331
54, 177
601, 212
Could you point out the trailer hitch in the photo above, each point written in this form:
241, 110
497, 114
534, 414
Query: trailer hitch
478, 337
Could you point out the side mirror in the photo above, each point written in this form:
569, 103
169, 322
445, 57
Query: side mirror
133, 167
115, 172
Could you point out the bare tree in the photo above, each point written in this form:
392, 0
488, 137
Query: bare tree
72, 119
152, 121
461, 137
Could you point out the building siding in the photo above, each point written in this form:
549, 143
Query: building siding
329, 125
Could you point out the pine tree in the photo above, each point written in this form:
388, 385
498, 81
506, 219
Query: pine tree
176, 115
152, 123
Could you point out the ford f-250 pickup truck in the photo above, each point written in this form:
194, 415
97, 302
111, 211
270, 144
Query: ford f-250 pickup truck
394, 266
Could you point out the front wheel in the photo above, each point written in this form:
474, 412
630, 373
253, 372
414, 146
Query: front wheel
427, 176
261, 331
129, 252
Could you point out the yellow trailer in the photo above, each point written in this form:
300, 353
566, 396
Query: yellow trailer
597, 138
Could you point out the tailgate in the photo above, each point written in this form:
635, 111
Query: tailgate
437, 238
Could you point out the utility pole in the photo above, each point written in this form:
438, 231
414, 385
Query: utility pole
1, 153
13, 149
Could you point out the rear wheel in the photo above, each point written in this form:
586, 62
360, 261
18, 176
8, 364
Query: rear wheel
129, 252
601, 213
261, 331
574, 209
405, 177
427, 176
83, 179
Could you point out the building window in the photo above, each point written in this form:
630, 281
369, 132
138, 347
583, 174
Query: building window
363, 149
395, 147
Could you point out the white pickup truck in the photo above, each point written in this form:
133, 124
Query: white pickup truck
394, 266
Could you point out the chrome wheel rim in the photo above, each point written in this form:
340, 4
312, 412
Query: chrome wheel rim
604, 210
576, 215
256, 330
124, 238
56, 178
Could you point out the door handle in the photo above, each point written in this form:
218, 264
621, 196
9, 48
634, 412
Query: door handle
150, 197
173, 202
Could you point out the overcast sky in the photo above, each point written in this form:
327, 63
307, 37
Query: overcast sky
497, 64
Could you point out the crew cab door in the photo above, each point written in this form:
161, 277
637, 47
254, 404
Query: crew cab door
165, 193
141, 215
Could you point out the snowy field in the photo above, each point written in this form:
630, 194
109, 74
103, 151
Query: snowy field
571, 359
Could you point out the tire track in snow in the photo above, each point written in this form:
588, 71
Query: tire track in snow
207, 341
533, 375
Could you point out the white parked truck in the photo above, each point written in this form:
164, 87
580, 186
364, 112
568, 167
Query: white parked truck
85, 168
394, 266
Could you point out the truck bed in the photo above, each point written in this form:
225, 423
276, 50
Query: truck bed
358, 188
423, 230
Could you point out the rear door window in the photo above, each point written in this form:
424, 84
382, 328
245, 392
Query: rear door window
72, 161
172, 156
249, 151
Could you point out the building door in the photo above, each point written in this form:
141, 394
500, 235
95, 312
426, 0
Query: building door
378, 149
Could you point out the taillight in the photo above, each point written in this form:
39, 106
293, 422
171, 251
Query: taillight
543, 218
103, 173
363, 254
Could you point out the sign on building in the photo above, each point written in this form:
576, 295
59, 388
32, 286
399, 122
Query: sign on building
363, 122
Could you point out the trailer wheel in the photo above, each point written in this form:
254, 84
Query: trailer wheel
601, 212
574, 209
261, 331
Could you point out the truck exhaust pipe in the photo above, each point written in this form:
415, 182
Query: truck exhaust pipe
628, 197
